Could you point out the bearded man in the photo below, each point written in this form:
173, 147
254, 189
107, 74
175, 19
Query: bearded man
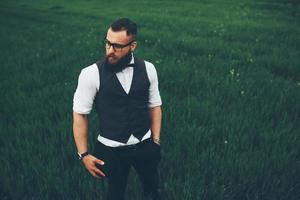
124, 91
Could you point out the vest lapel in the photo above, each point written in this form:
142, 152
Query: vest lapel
119, 84
133, 79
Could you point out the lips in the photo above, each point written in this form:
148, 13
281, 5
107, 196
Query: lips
111, 56
111, 59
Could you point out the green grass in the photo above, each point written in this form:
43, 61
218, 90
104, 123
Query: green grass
229, 76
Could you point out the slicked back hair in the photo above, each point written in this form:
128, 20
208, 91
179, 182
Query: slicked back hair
125, 24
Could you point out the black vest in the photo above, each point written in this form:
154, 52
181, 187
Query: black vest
121, 114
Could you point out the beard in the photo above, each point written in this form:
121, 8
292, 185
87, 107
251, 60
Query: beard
120, 65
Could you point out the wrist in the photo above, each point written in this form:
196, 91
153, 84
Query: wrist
156, 140
82, 155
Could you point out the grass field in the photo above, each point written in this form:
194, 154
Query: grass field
229, 76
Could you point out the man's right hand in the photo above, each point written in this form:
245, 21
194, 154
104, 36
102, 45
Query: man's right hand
90, 162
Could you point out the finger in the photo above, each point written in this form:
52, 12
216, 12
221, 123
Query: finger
95, 175
99, 172
100, 162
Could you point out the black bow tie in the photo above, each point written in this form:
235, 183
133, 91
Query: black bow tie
130, 65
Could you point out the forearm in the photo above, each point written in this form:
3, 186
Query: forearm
80, 132
156, 118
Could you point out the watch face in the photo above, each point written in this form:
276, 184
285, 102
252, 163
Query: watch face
79, 156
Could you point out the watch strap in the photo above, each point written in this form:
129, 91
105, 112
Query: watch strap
82, 155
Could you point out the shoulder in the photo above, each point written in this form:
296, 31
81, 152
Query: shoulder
149, 66
89, 70
151, 71
90, 75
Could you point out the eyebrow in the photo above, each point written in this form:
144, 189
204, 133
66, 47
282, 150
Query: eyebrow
114, 43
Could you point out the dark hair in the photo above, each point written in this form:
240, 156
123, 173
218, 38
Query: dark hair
125, 24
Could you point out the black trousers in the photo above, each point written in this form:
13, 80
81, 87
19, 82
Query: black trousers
144, 157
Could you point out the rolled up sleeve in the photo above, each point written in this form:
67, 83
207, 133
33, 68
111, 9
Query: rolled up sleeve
154, 95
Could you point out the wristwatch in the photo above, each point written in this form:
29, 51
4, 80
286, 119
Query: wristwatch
81, 155
157, 141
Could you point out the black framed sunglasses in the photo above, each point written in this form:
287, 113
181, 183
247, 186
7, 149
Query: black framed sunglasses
116, 46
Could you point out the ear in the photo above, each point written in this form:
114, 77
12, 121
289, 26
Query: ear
133, 46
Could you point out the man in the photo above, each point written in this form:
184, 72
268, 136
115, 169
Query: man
124, 90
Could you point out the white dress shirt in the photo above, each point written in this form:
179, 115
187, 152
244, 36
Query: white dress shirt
89, 84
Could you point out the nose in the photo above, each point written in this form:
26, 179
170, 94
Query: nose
110, 49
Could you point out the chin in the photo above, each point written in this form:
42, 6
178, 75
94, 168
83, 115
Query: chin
113, 63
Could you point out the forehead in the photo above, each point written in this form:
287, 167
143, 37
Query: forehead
119, 37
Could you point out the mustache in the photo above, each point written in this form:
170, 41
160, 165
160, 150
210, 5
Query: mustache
110, 55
